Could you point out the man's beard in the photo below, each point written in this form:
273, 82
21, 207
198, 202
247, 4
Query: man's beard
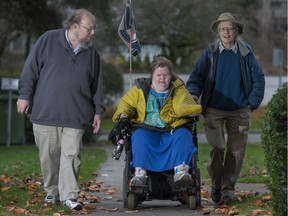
85, 43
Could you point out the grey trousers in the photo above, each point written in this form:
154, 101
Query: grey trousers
59, 153
226, 159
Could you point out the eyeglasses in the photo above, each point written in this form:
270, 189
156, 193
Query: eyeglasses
229, 29
88, 29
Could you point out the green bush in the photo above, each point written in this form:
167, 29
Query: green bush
274, 142
113, 83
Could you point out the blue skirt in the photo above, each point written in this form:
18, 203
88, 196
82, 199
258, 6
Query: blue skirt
161, 151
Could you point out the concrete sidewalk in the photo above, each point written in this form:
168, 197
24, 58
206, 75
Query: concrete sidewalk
110, 176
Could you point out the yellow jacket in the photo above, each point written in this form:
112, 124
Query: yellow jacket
175, 111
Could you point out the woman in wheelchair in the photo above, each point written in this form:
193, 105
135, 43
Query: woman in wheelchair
162, 105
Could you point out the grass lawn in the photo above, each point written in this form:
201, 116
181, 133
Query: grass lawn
20, 179
253, 169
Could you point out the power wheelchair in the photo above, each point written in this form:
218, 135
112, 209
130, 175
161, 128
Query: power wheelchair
160, 185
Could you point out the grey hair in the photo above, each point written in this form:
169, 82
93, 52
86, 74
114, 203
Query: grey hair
76, 17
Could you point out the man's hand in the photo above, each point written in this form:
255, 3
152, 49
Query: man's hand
96, 123
23, 106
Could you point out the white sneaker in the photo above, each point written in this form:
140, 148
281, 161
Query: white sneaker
72, 204
182, 176
52, 199
182, 179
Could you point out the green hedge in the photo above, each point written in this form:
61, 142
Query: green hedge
274, 142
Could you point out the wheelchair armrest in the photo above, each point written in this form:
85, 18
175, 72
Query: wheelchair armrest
194, 117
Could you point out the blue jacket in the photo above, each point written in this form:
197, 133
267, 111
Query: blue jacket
202, 79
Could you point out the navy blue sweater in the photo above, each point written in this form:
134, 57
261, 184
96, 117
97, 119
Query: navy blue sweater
228, 93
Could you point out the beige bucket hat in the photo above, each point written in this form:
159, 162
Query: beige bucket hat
227, 17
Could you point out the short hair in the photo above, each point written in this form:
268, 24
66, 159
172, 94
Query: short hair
76, 17
161, 61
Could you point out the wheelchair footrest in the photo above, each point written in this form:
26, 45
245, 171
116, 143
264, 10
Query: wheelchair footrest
139, 189
189, 189
183, 186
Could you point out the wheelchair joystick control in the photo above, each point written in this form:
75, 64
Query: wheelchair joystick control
118, 149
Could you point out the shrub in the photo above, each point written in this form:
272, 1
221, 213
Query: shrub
113, 83
274, 142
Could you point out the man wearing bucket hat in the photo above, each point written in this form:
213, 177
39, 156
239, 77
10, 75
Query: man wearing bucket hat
229, 82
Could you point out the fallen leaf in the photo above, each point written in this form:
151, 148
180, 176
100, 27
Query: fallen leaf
205, 194
84, 211
90, 207
111, 209
208, 210
15, 209
88, 198
5, 189
258, 203
267, 198
238, 198
108, 209
256, 212
252, 172
47, 209
108, 198
244, 193
109, 192
31, 186
221, 210
130, 211
5, 179
118, 199
233, 212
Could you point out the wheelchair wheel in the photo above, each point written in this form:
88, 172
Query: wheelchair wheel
132, 201
198, 187
191, 202
125, 190
126, 178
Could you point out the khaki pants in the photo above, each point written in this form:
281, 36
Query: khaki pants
226, 159
59, 153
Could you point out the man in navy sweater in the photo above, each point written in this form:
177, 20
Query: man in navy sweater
60, 90
230, 82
